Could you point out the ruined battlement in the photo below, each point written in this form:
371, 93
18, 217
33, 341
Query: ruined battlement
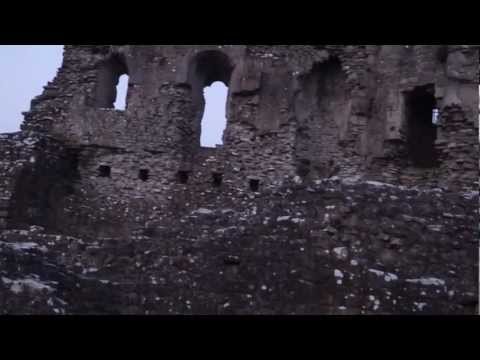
292, 110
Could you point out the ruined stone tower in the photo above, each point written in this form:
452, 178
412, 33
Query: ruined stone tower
406, 115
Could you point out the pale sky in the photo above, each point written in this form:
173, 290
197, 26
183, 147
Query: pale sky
26, 69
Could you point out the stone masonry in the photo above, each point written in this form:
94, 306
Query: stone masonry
347, 180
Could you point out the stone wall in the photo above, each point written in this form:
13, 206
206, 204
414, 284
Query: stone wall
452, 74
295, 114
336, 247
313, 134
36, 174
272, 89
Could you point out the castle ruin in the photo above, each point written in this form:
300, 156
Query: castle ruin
345, 170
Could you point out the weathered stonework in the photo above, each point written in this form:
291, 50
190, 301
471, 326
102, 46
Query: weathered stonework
358, 115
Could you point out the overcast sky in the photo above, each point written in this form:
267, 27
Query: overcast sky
26, 69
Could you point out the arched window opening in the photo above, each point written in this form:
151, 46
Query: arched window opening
209, 77
214, 119
112, 84
422, 115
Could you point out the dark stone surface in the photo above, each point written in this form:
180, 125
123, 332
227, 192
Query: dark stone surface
296, 252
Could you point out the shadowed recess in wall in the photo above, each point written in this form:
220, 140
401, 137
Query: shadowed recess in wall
422, 115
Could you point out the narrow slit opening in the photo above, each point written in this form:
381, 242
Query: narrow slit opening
182, 177
104, 171
254, 185
217, 179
